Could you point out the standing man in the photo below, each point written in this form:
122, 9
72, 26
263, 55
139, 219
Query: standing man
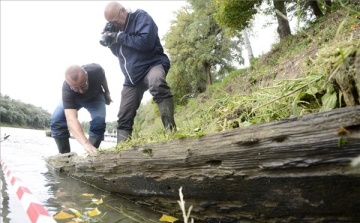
143, 63
84, 87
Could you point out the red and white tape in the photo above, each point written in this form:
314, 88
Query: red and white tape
32, 206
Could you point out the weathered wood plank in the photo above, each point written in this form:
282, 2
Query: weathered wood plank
285, 171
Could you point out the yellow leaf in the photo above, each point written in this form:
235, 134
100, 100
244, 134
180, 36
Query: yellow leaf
96, 201
93, 212
88, 195
76, 212
168, 218
63, 215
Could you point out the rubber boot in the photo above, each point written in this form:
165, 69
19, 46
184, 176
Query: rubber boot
166, 108
123, 135
95, 141
63, 145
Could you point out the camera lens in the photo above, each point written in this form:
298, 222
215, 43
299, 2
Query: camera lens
104, 40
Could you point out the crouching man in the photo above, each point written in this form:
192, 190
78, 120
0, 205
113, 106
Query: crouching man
84, 87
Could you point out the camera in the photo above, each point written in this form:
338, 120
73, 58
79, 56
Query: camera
106, 39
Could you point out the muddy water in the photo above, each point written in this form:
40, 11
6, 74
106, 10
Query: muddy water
24, 152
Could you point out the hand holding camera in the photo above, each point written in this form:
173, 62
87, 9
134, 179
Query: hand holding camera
109, 34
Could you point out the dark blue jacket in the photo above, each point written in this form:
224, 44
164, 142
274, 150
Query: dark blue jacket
138, 47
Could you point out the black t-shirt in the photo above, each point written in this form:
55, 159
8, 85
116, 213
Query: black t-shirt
96, 76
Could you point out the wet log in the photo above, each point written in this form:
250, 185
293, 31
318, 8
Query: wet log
293, 170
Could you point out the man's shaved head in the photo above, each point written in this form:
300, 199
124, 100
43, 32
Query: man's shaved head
73, 72
111, 10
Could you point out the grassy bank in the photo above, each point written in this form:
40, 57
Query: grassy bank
311, 71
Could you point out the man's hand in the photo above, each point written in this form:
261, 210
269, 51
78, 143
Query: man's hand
76, 130
108, 99
113, 36
89, 148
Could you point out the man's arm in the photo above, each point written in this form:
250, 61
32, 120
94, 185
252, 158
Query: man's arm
145, 36
107, 92
76, 130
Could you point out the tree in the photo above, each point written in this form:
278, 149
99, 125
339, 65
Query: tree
85, 126
307, 10
111, 127
248, 45
180, 52
234, 14
328, 6
200, 52
316, 9
283, 22
16, 112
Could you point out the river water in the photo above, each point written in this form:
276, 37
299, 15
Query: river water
24, 152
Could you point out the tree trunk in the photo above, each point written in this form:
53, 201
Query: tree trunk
347, 80
315, 7
328, 6
281, 15
357, 73
293, 170
248, 46
208, 73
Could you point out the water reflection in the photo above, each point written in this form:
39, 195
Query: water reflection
71, 193
24, 152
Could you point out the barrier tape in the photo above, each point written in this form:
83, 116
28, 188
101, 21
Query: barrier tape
35, 211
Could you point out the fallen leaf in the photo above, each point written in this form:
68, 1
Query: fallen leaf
96, 201
76, 212
78, 220
93, 212
168, 218
88, 195
63, 215
343, 131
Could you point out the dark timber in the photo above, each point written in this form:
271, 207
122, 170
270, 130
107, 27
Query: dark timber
293, 170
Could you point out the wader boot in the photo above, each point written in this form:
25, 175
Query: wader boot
166, 108
123, 135
95, 141
63, 145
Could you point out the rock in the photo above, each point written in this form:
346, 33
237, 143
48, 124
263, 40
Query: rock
48, 133
293, 170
